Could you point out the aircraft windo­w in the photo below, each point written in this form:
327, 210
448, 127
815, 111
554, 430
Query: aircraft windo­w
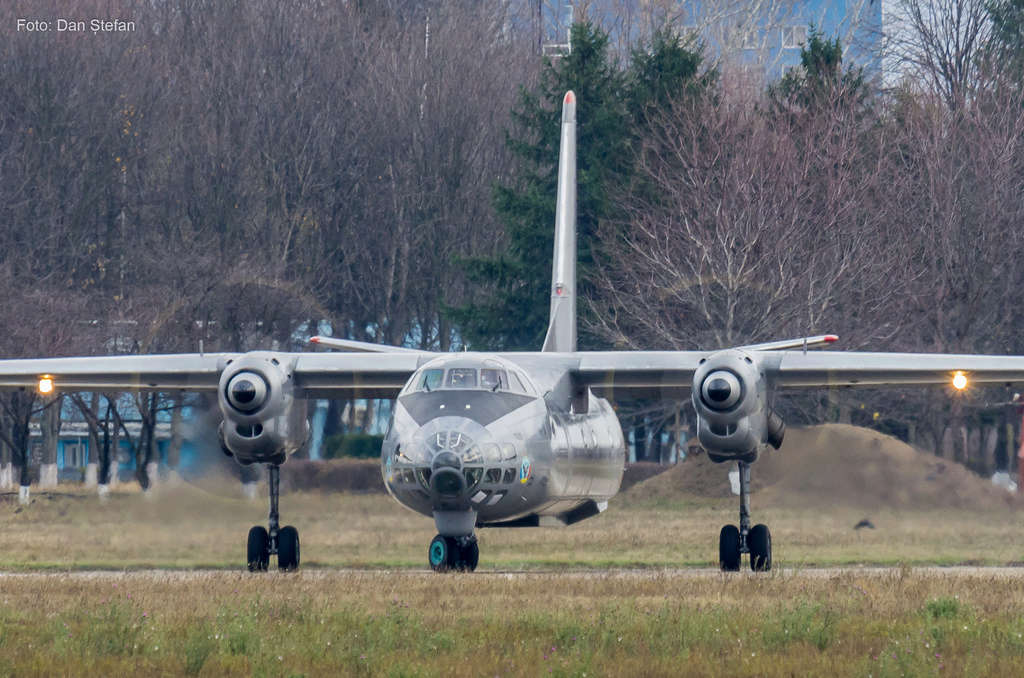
507, 439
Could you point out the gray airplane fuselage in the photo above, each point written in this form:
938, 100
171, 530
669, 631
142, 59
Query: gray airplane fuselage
480, 440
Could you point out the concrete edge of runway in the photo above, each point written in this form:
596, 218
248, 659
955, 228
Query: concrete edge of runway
928, 571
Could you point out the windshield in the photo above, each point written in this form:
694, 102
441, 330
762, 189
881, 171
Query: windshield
461, 377
493, 380
430, 380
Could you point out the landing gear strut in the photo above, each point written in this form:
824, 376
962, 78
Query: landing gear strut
453, 553
757, 540
282, 542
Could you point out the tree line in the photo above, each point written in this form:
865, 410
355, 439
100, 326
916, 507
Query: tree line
239, 175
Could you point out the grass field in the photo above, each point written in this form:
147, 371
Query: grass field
188, 527
612, 596
401, 623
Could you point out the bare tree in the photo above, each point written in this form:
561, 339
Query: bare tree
746, 227
940, 43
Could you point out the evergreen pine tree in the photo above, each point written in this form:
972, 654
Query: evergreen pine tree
612, 108
821, 81
511, 311
1007, 47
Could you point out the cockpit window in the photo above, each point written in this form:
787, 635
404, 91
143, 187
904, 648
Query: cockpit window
461, 377
517, 385
430, 380
493, 380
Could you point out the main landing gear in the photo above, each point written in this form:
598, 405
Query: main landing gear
757, 540
453, 553
283, 542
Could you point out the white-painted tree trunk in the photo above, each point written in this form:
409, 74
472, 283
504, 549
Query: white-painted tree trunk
152, 469
23, 495
91, 474
734, 480
251, 490
103, 491
6, 476
47, 475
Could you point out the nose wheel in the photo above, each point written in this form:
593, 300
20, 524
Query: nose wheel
756, 541
282, 542
453, 553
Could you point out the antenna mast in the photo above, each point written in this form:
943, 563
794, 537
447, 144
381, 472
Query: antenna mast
554, 26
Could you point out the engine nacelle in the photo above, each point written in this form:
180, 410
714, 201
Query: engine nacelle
734, 419
263, 420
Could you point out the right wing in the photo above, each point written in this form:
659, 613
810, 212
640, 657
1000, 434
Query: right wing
318, 375
360, 346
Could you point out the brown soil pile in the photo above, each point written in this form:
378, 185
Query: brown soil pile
639, 472
838, 464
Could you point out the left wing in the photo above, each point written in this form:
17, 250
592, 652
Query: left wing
669, 374
842, 368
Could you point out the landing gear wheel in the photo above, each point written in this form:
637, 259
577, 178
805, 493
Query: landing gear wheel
442, 553
258, 549
469, 554
759, 540
729, 549
288, 549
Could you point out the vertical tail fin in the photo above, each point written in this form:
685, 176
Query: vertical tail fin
561, 336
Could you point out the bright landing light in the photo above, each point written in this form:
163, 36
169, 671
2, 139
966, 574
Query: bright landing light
959, 381
46, 385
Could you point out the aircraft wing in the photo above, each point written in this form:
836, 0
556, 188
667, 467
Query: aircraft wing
192, 371
669, 374
355, 375
339, 375
842, 368
639, 374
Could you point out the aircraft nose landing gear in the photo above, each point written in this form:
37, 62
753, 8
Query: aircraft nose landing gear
757, 540
453, 553
263, 542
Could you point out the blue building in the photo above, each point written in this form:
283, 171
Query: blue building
759, 39
75, 453
766, 42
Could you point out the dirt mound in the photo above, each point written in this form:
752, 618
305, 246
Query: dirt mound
641, 471
838, 464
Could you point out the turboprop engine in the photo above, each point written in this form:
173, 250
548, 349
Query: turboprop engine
734, 418
263, 420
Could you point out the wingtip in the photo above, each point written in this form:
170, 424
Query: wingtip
314, 340
831, 337
570, 97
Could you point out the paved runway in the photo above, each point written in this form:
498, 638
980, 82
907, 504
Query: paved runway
314, 574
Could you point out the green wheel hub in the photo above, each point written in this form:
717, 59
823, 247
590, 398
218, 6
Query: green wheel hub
437, 552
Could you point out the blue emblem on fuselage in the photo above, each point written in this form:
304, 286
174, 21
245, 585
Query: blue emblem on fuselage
524, 470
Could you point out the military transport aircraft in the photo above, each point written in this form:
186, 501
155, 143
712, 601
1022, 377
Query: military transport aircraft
507, 439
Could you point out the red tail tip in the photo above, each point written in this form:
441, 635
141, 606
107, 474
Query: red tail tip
570, 97
314, 340
831, 337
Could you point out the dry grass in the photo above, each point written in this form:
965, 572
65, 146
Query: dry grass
597, 624
187, 527
567, 615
